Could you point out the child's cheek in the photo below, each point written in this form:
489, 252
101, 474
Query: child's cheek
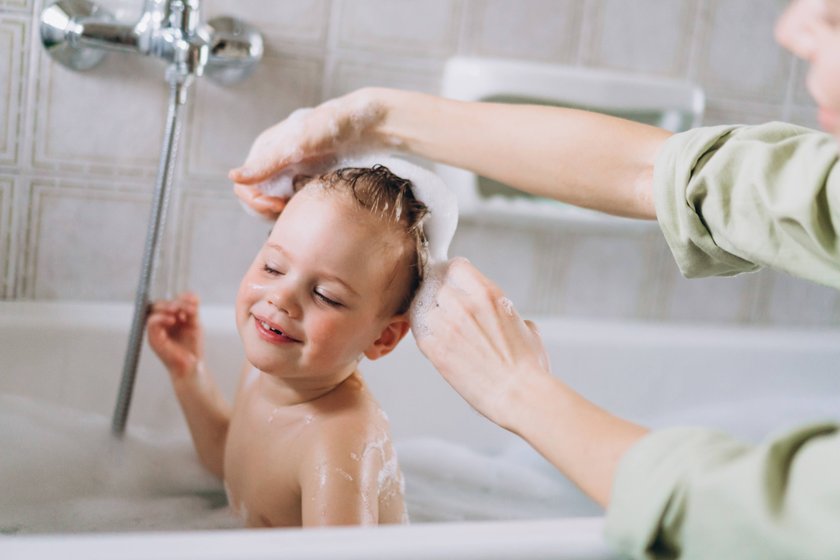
323, 328
331, 333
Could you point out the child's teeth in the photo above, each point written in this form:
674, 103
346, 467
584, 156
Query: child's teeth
267, 326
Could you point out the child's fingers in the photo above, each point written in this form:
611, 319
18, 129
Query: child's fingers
160, 323
162, 313
189, 298
188, 308
160, 306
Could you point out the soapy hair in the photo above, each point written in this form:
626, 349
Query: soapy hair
389, 198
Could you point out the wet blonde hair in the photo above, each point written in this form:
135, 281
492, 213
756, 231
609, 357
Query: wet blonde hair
389, 198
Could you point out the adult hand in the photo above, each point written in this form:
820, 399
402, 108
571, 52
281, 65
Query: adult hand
480, 344
307, 142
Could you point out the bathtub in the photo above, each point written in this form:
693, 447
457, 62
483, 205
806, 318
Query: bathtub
749, 381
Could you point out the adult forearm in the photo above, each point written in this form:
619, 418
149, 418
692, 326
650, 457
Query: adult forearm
579, 157
582, 440
208, 417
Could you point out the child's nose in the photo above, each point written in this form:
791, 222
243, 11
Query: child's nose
285, 299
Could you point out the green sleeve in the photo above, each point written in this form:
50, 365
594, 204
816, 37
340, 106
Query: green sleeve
691, 493
732, 199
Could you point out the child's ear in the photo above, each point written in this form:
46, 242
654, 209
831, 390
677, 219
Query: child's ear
388, 339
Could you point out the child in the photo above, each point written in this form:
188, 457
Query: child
305, 443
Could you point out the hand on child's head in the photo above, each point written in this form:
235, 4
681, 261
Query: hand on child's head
268, 207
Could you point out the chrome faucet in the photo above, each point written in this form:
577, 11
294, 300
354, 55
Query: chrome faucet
78, 34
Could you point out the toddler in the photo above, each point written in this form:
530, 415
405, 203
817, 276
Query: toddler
305, 443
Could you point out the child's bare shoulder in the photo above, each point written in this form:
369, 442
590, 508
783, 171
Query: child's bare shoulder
348, 426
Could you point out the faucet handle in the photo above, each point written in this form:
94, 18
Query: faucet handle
235, 49
60, 29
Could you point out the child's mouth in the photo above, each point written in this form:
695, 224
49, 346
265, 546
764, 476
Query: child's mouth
272, 334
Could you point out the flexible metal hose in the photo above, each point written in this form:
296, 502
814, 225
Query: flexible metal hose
157, 220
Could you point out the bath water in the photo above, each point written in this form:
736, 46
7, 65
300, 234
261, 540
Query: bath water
62, 471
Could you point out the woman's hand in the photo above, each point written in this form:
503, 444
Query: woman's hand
307, 142
480, 344
176, 336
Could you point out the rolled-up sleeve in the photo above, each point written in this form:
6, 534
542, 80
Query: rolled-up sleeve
732, 199
693, 493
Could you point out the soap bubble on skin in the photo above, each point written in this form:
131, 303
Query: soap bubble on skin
426, 298
506, 305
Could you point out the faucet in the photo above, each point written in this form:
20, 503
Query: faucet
79, 33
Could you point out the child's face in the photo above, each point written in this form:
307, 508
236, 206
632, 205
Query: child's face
324, 280
810, 29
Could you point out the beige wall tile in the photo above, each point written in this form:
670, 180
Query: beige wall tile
505, 255
714, 300
218, 241
355, 71
280, 21
109, 120
646, 36
6, 251
546, 30
84, 240
13, 68
20, 5
606, 275
419, 27
728, 112
739, 58
805, 116
93, 139
225, 120
793, 301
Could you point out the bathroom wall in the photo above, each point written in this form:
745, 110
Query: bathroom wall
78, 152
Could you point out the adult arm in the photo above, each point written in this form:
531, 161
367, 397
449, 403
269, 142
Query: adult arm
694, 493
497, 362
688, 493
732, 199
579, 157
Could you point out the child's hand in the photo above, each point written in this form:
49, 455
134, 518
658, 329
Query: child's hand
175, 334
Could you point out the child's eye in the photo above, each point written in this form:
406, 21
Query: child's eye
328, 301
272, 271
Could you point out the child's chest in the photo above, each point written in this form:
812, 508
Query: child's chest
262, 458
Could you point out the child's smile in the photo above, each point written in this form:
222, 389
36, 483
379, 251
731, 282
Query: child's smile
312, 301
272, 332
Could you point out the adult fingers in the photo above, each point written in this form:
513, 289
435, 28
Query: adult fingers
532, 326
268, 207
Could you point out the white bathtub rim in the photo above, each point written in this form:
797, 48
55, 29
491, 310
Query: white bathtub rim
568, 538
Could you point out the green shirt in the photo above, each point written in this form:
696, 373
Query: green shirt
732, 199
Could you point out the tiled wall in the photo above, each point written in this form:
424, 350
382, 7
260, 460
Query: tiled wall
78, 152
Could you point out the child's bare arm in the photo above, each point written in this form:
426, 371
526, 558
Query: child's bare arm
176, 337
339, 482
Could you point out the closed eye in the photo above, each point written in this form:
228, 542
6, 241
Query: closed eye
328, 301
272, 271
